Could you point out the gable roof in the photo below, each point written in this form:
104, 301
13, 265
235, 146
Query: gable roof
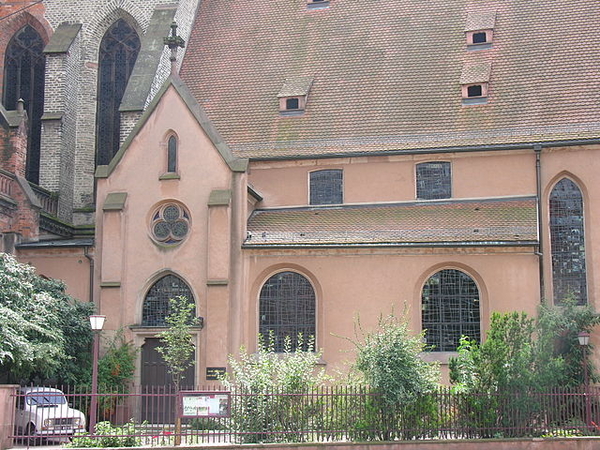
235, 164
510, 221
387, 74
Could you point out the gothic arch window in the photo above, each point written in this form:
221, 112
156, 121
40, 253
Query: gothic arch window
172, 154
24, 68
567, 242
287, 309
118, 51
450, 309
156, 303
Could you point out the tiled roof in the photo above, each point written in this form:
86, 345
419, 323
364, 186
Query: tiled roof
484, 19
469, 222
387, 74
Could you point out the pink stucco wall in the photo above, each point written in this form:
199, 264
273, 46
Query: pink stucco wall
349, 282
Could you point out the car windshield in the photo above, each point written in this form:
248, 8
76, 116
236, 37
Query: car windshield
45, 399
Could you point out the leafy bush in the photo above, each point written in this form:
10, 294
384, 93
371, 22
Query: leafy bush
109, 436
390, 363
45, 332
262, 383
520, 356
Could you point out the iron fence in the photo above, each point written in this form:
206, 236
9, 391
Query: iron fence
147, 416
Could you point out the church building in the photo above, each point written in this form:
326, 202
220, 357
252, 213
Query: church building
297, 165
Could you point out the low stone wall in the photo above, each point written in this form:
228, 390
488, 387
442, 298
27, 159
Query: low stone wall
7, 412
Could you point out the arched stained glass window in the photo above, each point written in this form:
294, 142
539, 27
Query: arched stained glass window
567, 242
172, 155
118, 51
450, 309
156, 304
287, 309
24, 68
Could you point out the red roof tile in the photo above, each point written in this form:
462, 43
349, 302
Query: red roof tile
484, 222
387, 74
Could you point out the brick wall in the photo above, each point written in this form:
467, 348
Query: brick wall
68, 142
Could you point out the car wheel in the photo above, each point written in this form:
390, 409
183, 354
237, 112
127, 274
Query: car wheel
30, 436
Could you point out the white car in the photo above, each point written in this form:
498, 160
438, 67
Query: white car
45, 413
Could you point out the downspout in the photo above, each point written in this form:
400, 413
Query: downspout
86, 253
540, 253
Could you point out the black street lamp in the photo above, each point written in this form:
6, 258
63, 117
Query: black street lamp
584, 342
96, 322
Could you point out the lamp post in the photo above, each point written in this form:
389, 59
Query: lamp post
96, 322
584, 342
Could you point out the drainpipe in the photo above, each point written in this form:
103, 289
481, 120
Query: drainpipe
86, 253
540, 253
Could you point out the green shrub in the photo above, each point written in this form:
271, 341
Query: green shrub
262, 409
109, 436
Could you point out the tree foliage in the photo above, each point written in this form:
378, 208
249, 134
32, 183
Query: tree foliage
44, 333
292, 371
117, 366
265, 380
178, 348
521, 353
389, 360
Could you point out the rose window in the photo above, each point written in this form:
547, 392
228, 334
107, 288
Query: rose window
170, 224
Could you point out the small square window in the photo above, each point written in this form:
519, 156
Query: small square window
474, 91
480, 38
317, 4
292, 103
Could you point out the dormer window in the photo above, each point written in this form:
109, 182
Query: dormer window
475, 83
317, 4
480, 29
294, 95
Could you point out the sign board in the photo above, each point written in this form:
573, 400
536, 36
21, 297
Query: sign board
215, 373
204, 403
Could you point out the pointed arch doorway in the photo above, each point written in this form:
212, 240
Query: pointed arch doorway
156, 381
159, 405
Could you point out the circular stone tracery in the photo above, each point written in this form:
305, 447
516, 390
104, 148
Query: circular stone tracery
170, 224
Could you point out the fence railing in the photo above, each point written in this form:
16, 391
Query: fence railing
146, 416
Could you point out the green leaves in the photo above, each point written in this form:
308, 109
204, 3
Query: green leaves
389, 361
41, 328
178, 347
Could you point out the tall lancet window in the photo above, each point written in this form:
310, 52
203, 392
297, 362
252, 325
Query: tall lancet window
118, 51
172, 155
567, 241
24, 67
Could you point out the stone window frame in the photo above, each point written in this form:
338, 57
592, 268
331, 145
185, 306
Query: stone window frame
34, 101
427, 186
297, 315
167, 229
326, 187
156, 306
447, 315
567, 242
108, 116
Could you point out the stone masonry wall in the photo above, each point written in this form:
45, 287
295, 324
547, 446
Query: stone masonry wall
96, 16
69, 128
